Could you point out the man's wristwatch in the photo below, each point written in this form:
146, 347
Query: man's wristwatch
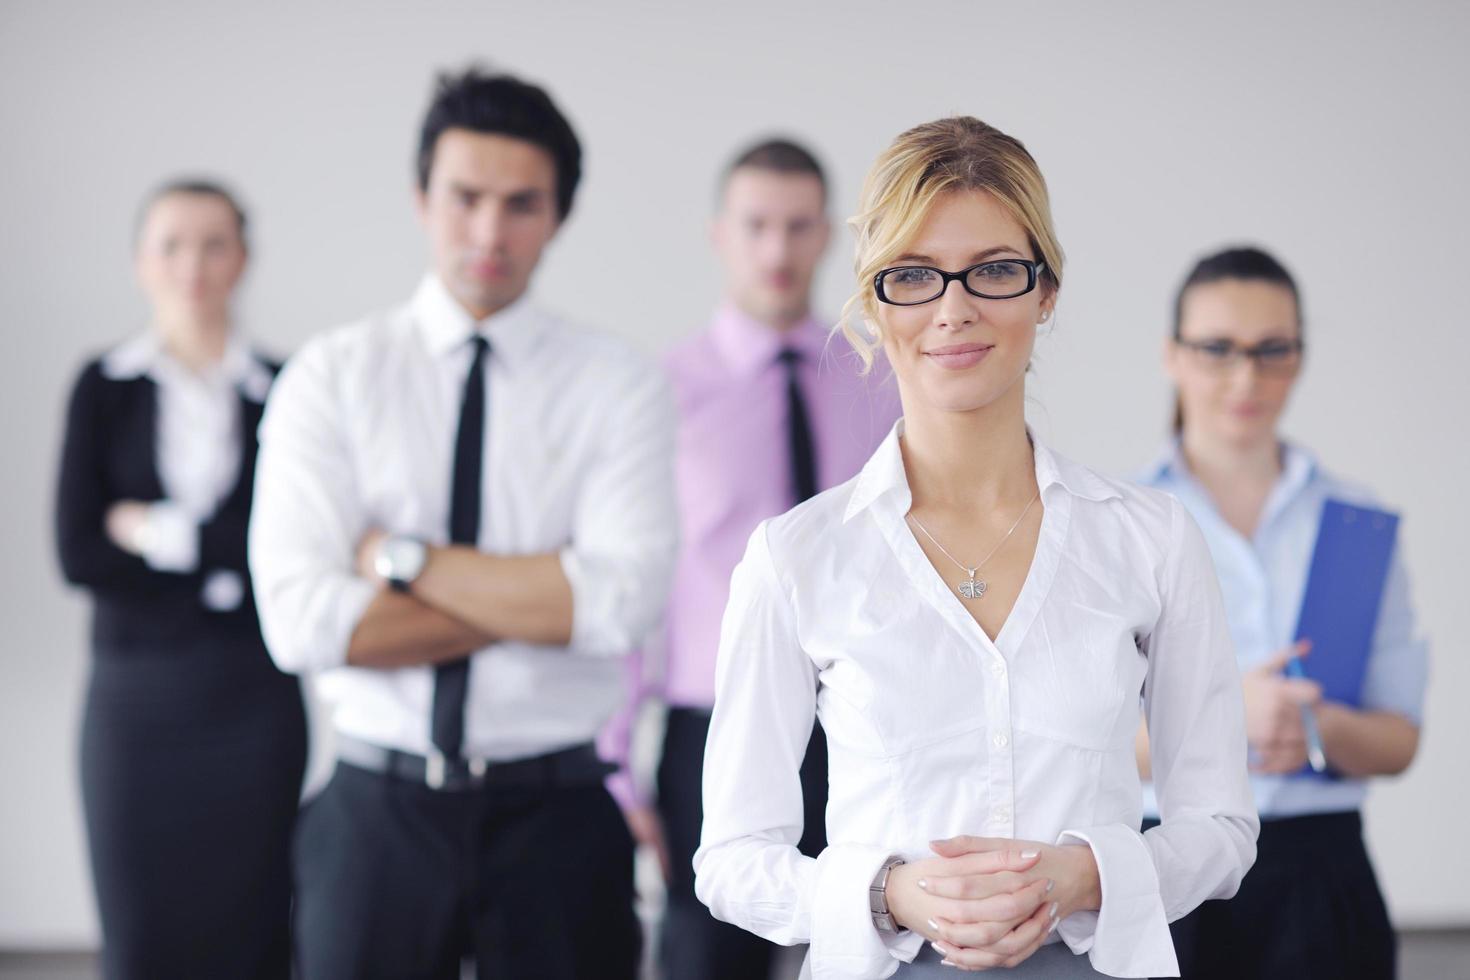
400, 560
878, 897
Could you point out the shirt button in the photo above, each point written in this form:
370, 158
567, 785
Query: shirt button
1003, 813
998, 668
1001, 740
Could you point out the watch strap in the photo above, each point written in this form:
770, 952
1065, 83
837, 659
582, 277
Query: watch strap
878, 897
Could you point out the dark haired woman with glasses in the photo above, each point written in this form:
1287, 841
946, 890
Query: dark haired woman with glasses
1311, 905
193, 744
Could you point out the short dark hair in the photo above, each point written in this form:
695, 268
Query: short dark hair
778, 154
202, 186
503, 105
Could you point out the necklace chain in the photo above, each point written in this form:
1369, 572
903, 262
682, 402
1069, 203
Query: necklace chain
972, 589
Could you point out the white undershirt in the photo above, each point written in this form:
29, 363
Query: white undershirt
197, 448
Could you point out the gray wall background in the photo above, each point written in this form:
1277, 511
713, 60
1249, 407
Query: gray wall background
1333, 133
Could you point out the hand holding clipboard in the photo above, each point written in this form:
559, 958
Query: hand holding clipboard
1280, 719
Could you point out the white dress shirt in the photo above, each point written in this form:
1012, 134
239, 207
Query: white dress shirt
1264, 578
359, 434
197, 446
934, 730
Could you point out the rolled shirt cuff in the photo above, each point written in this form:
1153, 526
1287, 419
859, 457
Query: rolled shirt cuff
312, 627
624, 790
223, 590
353, 599
168, 539
601, 606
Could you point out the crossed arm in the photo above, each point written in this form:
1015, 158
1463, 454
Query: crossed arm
462, 600
313, 536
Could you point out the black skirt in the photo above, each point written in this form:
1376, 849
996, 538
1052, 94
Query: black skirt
192, 760
1309, 908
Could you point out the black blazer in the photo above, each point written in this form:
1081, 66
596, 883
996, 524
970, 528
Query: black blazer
109, 454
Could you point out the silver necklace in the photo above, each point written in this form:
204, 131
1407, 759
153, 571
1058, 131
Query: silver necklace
973, 588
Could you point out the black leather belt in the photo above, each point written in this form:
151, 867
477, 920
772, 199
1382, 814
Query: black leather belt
579, 765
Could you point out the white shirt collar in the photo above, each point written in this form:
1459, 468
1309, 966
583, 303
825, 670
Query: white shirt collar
445, 325
884, 474
144, 355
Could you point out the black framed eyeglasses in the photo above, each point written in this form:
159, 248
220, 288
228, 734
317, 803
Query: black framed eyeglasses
913, 285
1277, 356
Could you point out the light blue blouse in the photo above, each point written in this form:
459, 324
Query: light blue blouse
1263, 579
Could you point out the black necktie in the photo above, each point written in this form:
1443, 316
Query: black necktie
451, 680
798, 431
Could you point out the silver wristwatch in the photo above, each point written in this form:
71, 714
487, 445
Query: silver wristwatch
400, 560
878, 897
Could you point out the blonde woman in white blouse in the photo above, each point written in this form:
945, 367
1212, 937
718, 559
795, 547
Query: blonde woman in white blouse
980, 625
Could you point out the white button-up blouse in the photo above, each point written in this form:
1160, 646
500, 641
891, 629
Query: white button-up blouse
934, 730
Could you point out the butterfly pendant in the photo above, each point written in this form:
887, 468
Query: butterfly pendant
972, 589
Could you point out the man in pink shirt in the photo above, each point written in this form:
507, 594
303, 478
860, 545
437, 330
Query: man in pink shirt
769, 414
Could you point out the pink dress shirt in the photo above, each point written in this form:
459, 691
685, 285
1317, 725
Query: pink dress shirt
732, 471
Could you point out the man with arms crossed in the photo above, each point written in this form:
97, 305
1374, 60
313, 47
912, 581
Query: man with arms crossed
460, 525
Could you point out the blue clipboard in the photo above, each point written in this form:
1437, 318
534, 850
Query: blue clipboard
1344, 592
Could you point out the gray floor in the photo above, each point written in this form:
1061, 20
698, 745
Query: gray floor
1439, 955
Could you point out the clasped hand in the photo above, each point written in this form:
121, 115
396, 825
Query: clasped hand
991, 902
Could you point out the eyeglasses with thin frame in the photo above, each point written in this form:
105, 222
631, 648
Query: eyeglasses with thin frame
1269, 356
914, 285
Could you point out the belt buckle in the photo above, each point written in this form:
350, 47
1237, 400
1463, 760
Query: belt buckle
434, 770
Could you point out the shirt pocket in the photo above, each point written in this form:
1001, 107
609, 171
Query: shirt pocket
1081, 683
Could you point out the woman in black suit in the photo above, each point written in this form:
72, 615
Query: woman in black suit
193, 744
